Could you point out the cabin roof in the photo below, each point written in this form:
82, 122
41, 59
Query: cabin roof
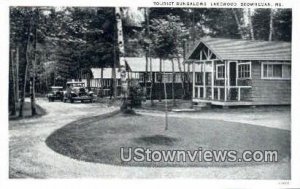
238, 49
138, 64
107, 73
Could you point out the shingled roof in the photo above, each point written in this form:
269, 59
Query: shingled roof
237, 49
138, 64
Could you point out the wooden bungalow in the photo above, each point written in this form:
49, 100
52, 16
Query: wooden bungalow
243, 72
138, 69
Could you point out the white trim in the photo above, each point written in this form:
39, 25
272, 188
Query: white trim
274, 63
217, 68
250, 70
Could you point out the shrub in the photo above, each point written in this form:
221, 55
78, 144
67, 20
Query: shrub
136, 94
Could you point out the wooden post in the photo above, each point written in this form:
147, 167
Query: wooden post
204, 80
237, 74
228, 79
212, 80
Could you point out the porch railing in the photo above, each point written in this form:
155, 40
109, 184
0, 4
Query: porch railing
206, 92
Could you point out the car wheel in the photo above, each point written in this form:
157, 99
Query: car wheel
71, 100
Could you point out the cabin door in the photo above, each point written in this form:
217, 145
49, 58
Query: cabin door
232, 80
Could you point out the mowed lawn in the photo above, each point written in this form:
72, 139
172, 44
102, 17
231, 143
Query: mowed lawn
99, 140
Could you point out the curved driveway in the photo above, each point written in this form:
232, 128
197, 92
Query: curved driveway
30, 157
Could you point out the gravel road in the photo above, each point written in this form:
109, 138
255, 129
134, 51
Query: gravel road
31, 158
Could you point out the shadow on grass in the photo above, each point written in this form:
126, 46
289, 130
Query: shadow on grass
156, 140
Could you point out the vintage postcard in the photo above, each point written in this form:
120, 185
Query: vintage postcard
153, 89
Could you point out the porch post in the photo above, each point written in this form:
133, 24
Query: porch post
237, 73
225, 81
213, 80
194, 79
228, 78
204, 80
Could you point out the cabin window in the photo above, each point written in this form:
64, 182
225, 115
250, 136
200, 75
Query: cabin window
276, 71
220, 71
142, 77
157, 77
177, 78
198, 77
167, 77
106, 82
244, 70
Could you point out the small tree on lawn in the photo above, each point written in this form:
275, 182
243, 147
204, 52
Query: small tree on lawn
168, 34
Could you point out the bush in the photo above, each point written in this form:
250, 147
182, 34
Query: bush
136, 94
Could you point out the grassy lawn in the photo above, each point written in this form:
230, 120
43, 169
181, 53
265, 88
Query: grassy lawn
99, 140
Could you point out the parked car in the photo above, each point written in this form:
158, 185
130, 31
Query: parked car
76, 91
56, 93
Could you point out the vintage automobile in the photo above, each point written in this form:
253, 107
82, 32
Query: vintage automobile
76, 91
56, 93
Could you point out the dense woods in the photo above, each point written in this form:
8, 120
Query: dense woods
49, 45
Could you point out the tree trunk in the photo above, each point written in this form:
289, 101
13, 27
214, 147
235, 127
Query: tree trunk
17, 77
152, 77
88, 81
102, 83
181, 77
160, 82
271, 25
238, 23
173, 83
147, 53
146, 72
166, 105
189, 79
250, 25
114, 80
26, 70
184, 73
152, 81
12, 85
32, 96
124, 82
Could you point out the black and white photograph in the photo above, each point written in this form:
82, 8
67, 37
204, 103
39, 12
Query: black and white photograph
178, 89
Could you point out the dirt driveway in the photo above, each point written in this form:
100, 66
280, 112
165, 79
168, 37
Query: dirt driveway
30, 157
